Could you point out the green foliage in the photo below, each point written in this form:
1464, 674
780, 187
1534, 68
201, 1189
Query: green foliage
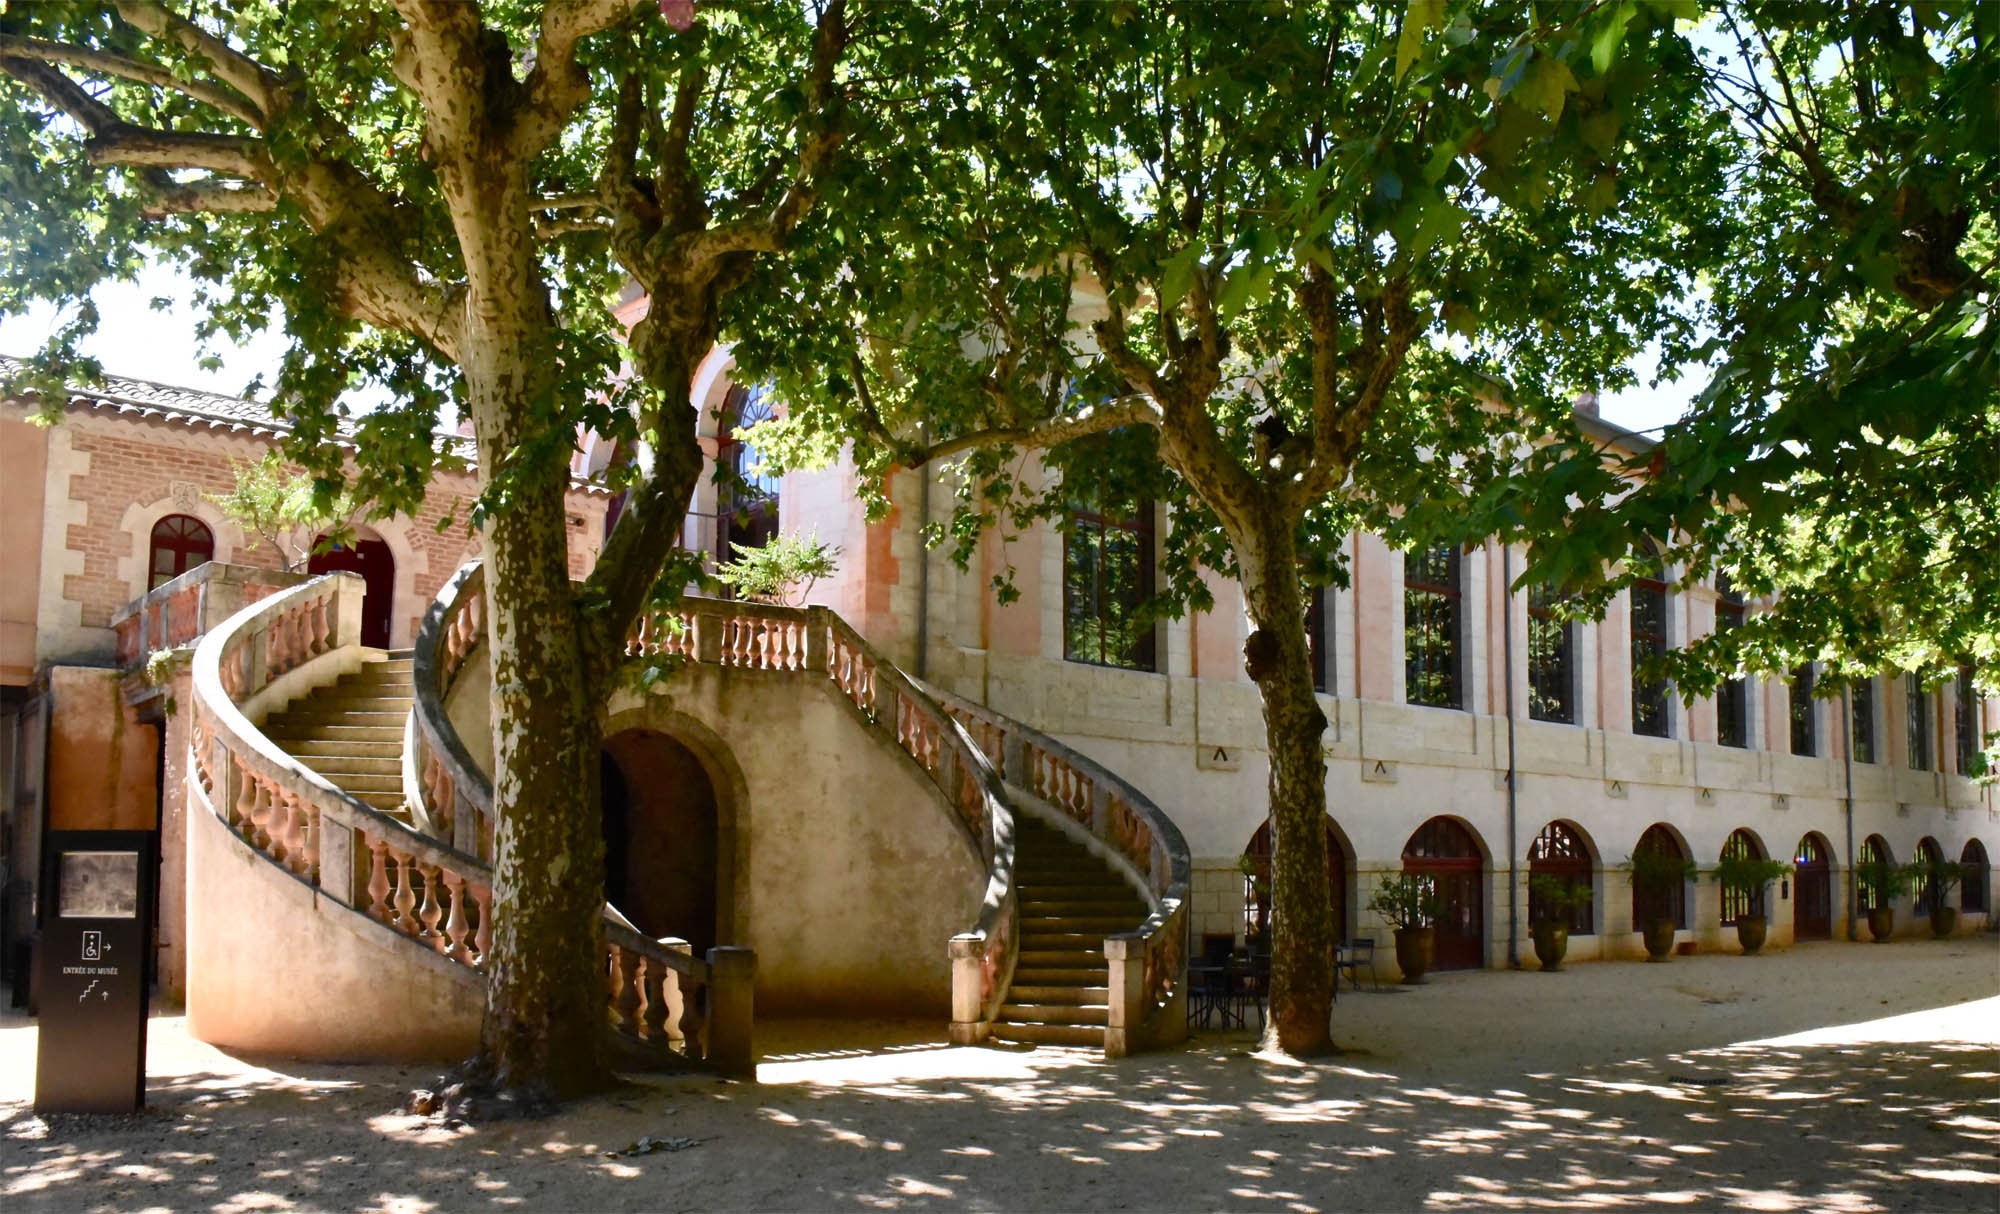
1406, 900
1938, 877
1556, 897
1657, 872
1747, 873
287, 510
782, 571
1880, 881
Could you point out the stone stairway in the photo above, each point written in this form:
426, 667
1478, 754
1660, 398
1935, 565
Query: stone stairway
351, 731
1069, 901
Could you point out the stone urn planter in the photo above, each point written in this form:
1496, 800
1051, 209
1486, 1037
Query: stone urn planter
1551, 944
1944, 921
1750, 932
1414, 947
1659, 937
1881, 923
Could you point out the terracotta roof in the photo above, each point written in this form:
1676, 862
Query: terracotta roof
144, 398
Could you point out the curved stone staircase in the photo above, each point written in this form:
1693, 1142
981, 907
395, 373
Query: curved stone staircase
339, 766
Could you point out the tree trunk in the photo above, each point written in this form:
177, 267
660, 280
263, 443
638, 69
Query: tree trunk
1280, 662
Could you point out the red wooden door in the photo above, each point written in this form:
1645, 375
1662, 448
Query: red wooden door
377, 567
1812, 886
1445, 852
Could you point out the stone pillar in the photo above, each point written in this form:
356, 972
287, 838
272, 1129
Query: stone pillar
816, 639
968, 1004
1125, 956
732, 994
176, 771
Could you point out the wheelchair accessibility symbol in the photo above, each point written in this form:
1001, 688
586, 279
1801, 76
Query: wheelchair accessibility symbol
93, 946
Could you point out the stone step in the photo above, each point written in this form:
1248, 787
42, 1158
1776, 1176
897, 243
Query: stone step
388, 803
359, 783
339, 768
1054, 1013
308, 731
327, 749
1061, 941
355, 703
1050, 1034
1083, 977
1075, 996
1073, 924
313, 717
1071, 958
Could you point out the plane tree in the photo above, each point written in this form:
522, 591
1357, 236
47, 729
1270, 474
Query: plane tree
442, 200
1292, 264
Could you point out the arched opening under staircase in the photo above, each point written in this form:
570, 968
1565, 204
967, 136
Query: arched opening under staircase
662, 823
1445, 850
370, 557
1256, 866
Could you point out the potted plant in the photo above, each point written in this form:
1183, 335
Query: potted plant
1656, 875
1879, 883
1556, 900
1748, 876
1939, 878
1409, 903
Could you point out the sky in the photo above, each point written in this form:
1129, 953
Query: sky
135, 341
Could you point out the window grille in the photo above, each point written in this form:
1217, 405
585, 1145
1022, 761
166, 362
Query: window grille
1432, 619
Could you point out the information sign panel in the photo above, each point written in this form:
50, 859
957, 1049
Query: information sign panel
94, 970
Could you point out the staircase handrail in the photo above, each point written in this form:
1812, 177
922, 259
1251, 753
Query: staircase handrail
772, 637
398, 877
181, 611
448, 783
1129, 825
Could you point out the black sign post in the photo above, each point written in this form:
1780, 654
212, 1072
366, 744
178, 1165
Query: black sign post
95, 967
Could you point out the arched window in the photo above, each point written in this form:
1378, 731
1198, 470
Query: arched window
1924, 890
1732, 699
1669, 903
1433, 617
1444, 851
1560, 853
180, 542
1256, 866
747, 494
1736, 903
1651, 715
1874, 850
1972, 890
1551, 659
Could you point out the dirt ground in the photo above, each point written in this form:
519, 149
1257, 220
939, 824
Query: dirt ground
1845, 1077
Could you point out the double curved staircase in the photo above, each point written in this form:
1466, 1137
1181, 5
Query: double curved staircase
338, 768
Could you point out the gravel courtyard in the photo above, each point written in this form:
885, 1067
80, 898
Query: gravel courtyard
1847, 1077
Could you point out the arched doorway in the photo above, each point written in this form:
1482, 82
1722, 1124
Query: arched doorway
1669, 903
661, 823
746, 494
1256, 864
1925, 891
1445, 851
1812, 889
1972, 894
1736, 902
371, 558
1562, 854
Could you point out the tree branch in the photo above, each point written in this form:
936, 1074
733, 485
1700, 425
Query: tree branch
163, 198
252, 80
1134, 410
223, 98
557, 85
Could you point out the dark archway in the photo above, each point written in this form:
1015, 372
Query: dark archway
1671, 903
1741, 844
377, 567
1446, 852
1256, 864
1972, 897
1562, 853
1924, 891
1812, 889
661, 818
1874, 850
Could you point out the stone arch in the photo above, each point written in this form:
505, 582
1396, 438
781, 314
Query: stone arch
1672, 904
1812, 888
1448, 850
1256, 864
139, 519
731, 802
1564, 851
1743, 844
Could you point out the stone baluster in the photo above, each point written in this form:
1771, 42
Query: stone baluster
482, 940
433, 911
455, 925
406, 896
657, 982
378, 880
625, 997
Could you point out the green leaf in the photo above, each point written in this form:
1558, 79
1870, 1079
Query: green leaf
1604, 45
1546, 87
1419, 17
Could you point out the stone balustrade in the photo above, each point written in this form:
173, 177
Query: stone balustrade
1148, 966
761, 637
386, 872
184, 610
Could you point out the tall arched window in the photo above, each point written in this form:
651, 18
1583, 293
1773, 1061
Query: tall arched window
1925, 891
1972, 896
1874, 850
180, 542
1551, 658
747, 495
1650, 713
1256, 866
1736, 903
1732, 698
1444, 852
1669, 903
1560, 853
1433, 617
